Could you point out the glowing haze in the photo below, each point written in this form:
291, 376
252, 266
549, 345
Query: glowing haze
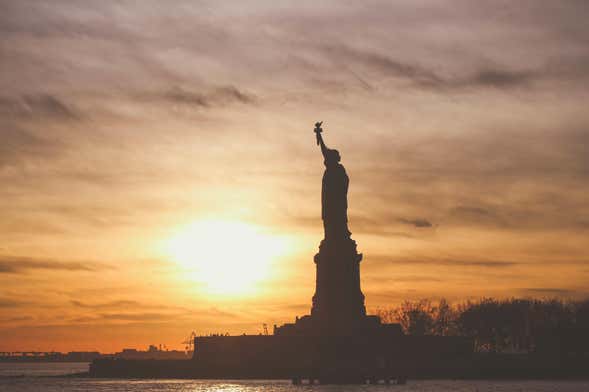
160, 174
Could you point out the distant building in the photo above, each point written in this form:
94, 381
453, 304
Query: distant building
153, 352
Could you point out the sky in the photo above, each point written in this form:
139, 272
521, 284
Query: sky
159, 172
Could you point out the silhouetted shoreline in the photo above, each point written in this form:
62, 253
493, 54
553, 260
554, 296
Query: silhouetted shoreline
153, 352
479, 366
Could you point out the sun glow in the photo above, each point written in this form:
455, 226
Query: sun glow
227, 257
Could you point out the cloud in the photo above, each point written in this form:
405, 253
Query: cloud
10, 302
499, 78
216, 312
138, 316
383, 63
442, 261
375, 224
419, 223
19, 145
478, 216
233, 94
210, 97
422, 77
106, 305
16, 319
549, 291
402, 279
116, 311
502, 180
388, 295
132, 304
37, 105
128, 317
20, 265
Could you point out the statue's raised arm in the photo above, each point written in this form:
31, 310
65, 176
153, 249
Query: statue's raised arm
320, 142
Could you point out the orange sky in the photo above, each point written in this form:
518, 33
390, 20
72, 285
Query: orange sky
129, 129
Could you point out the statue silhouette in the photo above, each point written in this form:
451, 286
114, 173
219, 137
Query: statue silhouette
338, 301
334, 191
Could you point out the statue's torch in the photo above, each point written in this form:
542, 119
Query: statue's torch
318, 130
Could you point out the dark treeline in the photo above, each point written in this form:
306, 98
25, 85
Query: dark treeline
495, 325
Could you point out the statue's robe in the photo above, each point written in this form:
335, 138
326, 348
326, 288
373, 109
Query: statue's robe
334, 200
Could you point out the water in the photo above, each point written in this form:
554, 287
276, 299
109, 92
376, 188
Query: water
36, 369
34, 381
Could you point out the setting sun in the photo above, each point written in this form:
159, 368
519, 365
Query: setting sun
227, 257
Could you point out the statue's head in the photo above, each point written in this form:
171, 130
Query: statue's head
332, 157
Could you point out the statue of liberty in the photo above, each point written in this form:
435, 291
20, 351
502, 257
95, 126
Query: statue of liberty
334, 192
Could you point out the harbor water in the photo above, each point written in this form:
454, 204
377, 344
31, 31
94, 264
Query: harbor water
33, 377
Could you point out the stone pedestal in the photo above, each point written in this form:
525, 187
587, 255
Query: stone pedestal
338, 298
338, 304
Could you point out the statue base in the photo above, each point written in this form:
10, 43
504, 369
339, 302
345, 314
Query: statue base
338, 304
338, 297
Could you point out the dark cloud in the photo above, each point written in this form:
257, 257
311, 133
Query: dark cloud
377, 224
386, 65
38, 105
478, 216
505, 180
294, 307
20, 265
106, 305
150, 313
548, 291
422, 77
499, 79
129, 317
137, 316
16, 319
10, 302
419, 223
174, 315
233, 94
402, 279
441, 261
178, 95
215, 97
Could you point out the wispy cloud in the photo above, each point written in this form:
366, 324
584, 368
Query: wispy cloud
20, 145
11, 302
37, 106
107, 305
418, 222
443, 261
549, 291
420, 76
20, 265
112, 312
212, 97
402, 279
